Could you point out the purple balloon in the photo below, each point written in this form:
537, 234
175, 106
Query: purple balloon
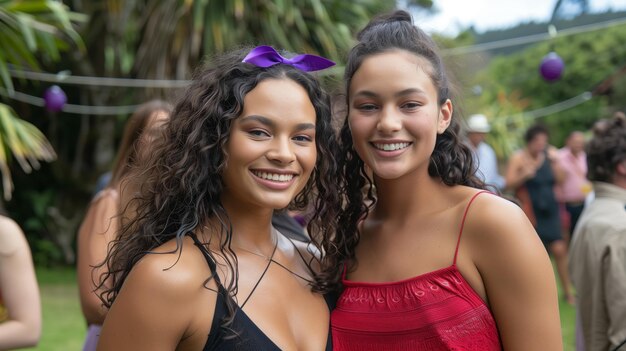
551, 67
54, 99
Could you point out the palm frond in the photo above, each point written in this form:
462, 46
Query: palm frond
29, 31
27, 144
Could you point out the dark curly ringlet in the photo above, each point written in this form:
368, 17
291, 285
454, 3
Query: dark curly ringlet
451, 160
607, 149
181, 185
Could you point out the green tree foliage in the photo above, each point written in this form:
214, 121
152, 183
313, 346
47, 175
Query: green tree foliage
30, 32
590, 59
166, 39
154, 39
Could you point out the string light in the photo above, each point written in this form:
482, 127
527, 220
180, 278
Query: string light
548, 110
498, 44
177, 83
98, 81
69, 108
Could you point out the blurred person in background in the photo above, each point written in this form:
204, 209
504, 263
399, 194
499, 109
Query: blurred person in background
575, 186
532, 173
477, 129
101, 222
20, 305
598, 248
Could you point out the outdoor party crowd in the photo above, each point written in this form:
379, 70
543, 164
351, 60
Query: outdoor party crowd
240, 218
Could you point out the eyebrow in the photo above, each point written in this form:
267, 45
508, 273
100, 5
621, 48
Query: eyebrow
268, 122
404, 92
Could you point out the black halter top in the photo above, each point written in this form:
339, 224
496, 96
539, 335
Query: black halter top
244, 334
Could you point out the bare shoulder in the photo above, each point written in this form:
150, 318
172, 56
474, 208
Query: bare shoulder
491, 217
105, 200
499, 232
166, 300
11, 236
515, 271
173, 271
516, 158
106, 194
516, 155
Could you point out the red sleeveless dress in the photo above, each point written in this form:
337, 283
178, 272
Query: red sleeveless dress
433, 311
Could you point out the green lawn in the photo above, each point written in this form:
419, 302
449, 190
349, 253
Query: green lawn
568, 319
63, 324
64, 328
568, 322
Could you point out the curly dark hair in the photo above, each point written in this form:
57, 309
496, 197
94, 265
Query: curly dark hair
533, 131
607, 149
181, 184
451, 161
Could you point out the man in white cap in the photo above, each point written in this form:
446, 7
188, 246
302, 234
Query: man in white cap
477, 129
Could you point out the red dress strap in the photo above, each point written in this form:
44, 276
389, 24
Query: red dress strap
458, 242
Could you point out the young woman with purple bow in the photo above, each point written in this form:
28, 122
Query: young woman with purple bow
200, 267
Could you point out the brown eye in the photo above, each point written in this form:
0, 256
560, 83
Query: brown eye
259, 133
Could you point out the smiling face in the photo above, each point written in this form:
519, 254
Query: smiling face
576, 142
271, 150
394, 113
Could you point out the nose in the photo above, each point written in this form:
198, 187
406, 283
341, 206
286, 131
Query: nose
281, 151
389, 121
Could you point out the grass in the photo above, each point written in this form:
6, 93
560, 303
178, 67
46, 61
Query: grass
64, 327
568, 320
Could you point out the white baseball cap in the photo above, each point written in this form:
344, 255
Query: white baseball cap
478, 124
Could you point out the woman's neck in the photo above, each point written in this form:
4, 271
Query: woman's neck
407, 196
251, 227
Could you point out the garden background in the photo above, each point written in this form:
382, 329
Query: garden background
110, 55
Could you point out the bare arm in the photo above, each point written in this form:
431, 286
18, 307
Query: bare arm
517, 171
555, 164
517, 275
19, 289
97, 231
161, 308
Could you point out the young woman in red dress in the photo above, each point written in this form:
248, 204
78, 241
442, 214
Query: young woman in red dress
426, 260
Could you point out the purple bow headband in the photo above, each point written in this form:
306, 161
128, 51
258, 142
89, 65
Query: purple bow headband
265, 56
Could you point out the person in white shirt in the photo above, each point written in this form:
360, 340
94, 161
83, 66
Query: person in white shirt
477, 129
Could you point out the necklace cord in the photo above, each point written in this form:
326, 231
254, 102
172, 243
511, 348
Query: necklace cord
269, 262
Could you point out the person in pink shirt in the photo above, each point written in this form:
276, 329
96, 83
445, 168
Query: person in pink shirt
575, 187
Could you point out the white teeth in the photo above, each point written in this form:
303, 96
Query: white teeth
391, 147
274, 176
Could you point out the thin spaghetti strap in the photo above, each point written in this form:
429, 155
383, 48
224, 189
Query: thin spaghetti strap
269, 262
458, 242
296, 248
299, 254
207, 256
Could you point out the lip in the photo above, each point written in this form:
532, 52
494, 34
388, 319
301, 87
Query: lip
272, 184
390, 153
